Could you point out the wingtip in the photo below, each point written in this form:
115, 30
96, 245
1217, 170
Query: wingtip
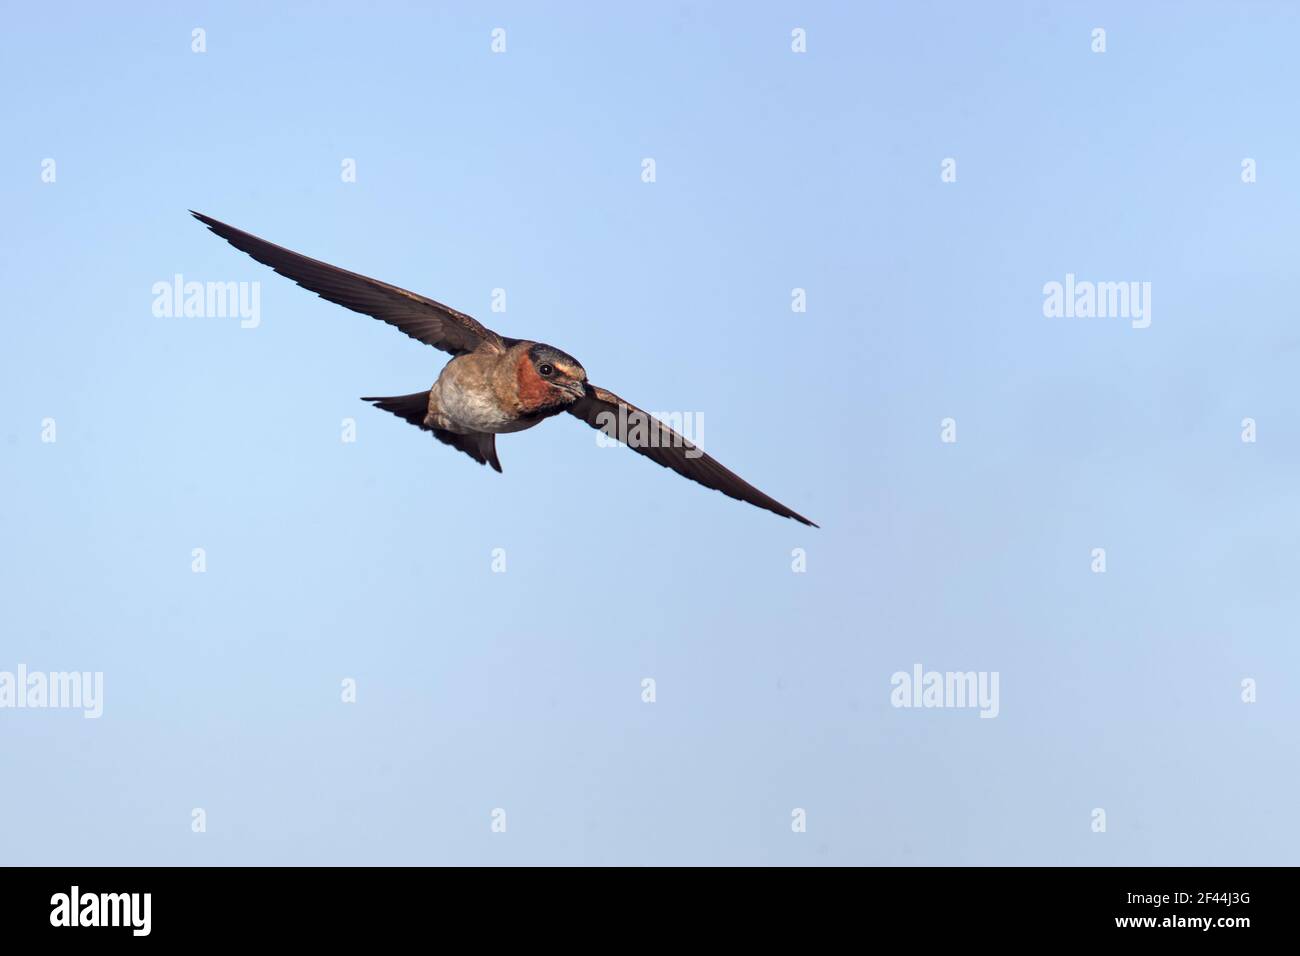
205, 219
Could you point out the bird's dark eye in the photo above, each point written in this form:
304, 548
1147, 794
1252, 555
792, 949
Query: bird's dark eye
545, 369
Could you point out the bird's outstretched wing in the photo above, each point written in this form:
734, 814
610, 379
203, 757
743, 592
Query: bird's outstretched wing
646, 435
430, 322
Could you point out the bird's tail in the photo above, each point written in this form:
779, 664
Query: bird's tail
480, 446
411, 407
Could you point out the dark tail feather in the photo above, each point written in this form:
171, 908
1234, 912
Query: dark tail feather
481, 447
411, 407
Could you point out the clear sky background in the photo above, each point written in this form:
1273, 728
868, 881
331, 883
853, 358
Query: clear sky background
522, 690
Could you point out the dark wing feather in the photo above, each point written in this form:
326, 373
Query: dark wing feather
599, 408
480, 446
430, 322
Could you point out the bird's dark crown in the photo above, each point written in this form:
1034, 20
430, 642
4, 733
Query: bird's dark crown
541, 354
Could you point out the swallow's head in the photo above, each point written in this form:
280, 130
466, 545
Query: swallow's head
547, 378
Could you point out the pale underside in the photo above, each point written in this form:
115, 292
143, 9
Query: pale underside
464, 400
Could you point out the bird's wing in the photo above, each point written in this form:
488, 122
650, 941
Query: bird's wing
646, 435
430, 322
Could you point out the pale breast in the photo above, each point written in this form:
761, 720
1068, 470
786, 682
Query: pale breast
467, 402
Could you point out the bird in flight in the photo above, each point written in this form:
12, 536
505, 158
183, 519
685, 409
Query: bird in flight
494, 384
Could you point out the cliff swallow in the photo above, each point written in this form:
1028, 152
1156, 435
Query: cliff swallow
494, 384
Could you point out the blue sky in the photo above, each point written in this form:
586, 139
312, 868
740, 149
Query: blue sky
372, 560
